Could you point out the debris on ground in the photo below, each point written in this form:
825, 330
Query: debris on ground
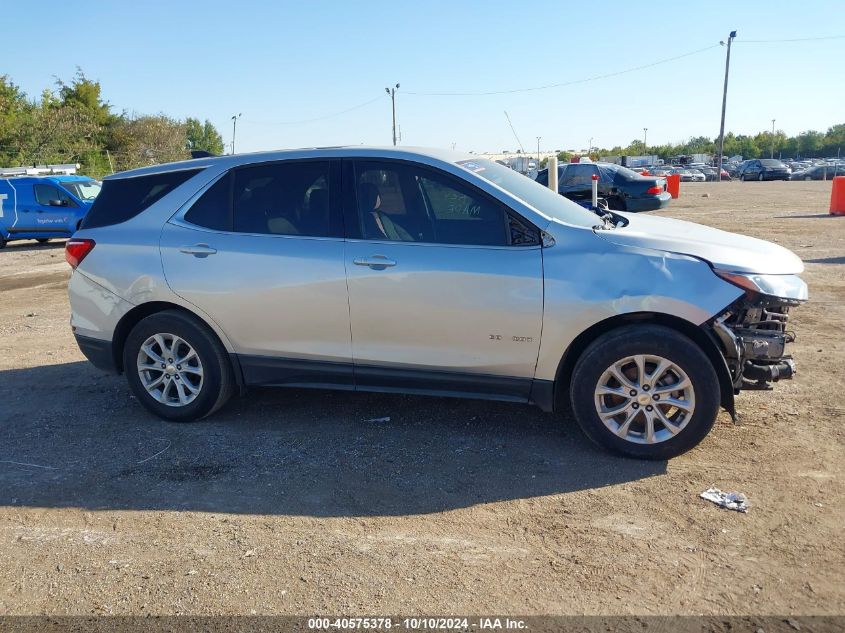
730, 500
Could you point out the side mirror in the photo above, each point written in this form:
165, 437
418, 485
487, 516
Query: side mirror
58, 203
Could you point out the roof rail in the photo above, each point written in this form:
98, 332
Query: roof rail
67, 169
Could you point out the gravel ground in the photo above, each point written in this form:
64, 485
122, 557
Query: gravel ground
292, 502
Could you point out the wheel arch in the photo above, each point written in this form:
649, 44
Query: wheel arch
696, 333
142, 311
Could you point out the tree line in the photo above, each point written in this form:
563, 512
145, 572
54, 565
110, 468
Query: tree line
72, 123
809, 144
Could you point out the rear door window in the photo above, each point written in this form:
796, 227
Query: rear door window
124, 198
289, 198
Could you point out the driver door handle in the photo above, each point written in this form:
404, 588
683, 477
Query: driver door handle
376, 262
198, 250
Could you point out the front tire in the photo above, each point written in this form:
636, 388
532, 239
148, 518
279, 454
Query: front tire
176, 367
645, 391
43, 240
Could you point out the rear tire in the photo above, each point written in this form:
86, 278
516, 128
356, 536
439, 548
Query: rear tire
178, 391
646, 424
43, 240
2, 242
616, 203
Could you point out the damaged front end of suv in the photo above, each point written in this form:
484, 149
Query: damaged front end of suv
753, 331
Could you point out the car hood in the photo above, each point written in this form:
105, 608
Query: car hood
723, 250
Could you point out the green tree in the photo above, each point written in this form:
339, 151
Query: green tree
203, 136
147, 140
86, 94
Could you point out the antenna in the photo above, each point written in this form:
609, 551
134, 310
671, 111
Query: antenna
522, 149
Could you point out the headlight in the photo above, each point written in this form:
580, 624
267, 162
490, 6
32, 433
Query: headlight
783, 286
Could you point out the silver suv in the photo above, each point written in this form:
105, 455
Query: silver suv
427, 272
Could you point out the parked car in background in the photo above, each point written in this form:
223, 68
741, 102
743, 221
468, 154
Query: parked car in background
624, 189
44, 207
764, 169
819, 172
428, 272
685, 174
800, 165
711, 174
697, 175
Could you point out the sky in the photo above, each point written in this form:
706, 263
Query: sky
313, 73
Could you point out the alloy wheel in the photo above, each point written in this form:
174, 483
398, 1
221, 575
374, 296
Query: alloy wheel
645, 399
170, 369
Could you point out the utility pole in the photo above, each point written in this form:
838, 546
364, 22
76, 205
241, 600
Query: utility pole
590, 148
538, 151
645, 140
724, 103
392, 93
773, 139
235, 118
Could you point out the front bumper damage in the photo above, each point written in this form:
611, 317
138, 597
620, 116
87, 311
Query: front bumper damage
754, 337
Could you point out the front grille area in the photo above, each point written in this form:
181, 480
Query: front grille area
766, 319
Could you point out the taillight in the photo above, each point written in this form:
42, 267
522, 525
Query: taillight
76, 250
655, 190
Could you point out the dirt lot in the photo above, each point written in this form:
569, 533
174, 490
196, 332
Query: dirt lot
291, 501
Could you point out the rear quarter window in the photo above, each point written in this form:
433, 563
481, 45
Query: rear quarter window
124, 198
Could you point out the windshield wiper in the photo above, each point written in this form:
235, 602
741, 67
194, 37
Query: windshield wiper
607, 219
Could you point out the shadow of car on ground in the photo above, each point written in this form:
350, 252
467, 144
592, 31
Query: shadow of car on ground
71, 436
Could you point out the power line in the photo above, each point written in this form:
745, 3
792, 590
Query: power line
798, 39
565, 83
320, 118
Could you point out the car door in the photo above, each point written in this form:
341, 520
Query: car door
754, 168
261, 252
441, 297
52, 210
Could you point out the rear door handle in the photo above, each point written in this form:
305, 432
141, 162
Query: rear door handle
198, 250
376, 262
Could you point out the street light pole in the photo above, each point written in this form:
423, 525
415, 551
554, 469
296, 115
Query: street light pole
235, 118
538, 151
590, 148
773, 139
392, 93
645, 140
724, 103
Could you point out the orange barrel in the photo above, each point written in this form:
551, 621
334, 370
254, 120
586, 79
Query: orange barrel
673, 185
837, 196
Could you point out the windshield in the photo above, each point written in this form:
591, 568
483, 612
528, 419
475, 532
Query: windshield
530, 192
83, 189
